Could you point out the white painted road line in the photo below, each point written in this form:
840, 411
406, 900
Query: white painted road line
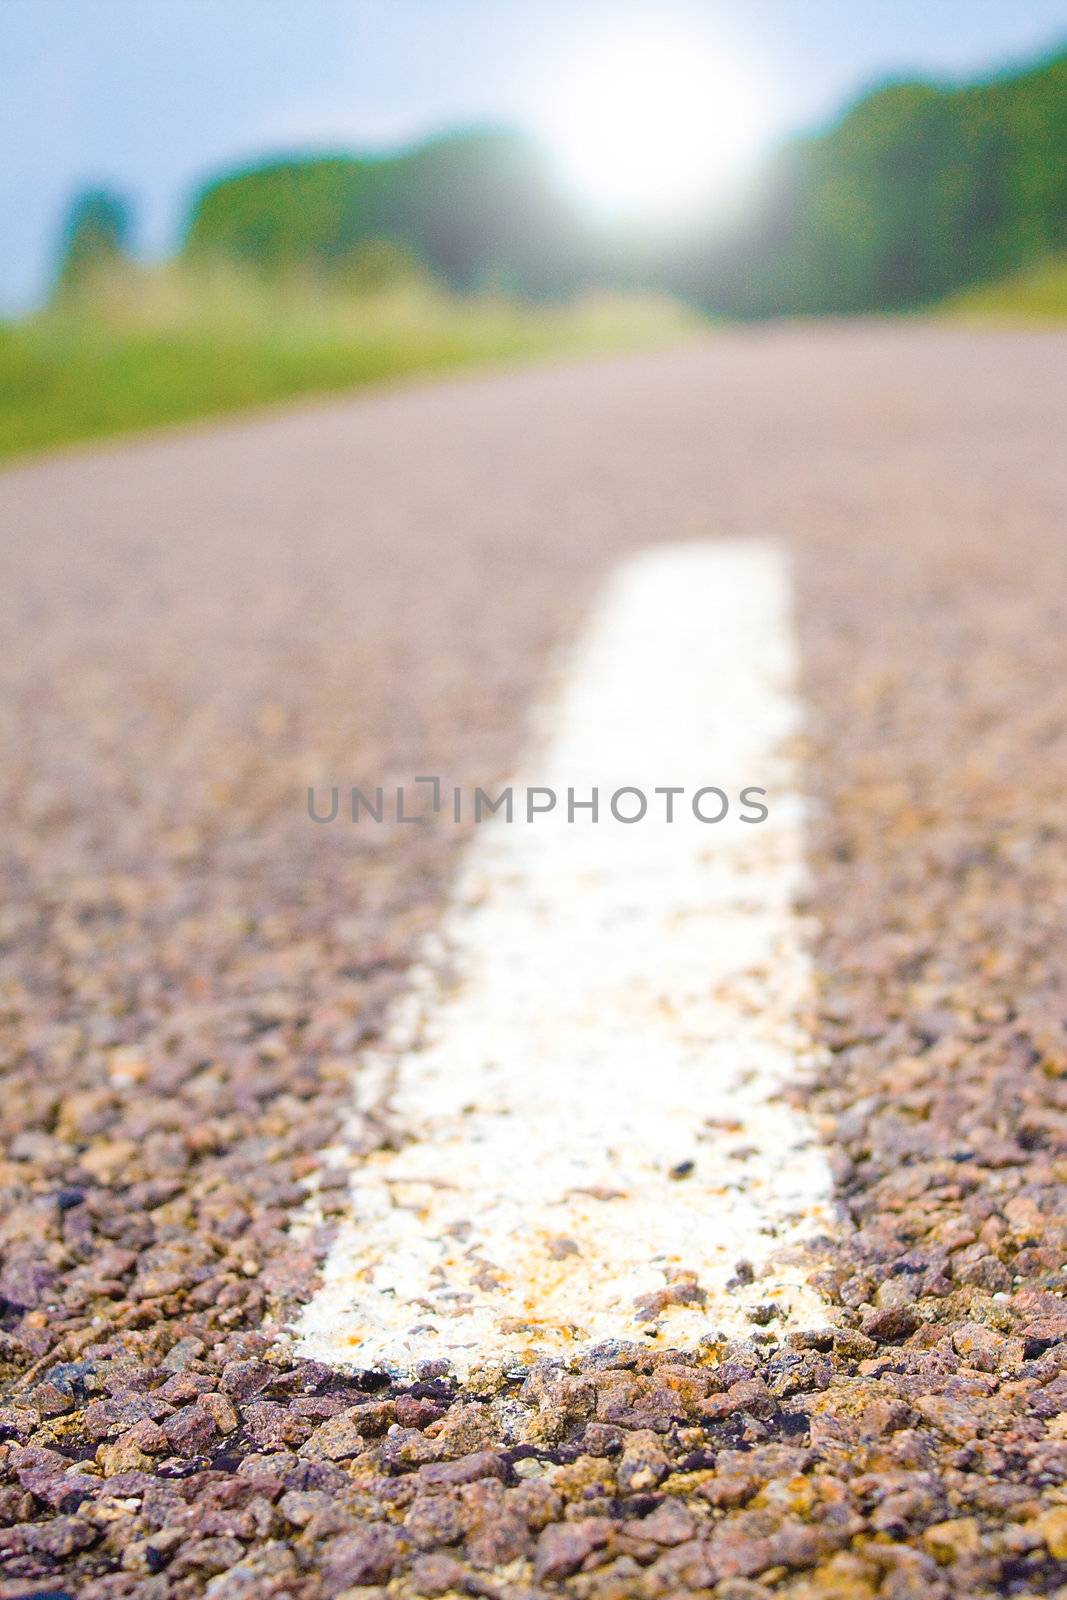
587, 1076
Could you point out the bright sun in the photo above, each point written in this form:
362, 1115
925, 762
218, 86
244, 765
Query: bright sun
653, 124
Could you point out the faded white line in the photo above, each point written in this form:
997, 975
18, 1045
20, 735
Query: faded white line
587, 1075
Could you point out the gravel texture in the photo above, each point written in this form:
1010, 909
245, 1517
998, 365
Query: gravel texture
195, 629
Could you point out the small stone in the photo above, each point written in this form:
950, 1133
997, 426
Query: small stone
563, 1546
346, 1435
890, 1324
948, 1541
222, 1412
191, 1431
152, 1554
427, 1371
435, 1575
1053, 1528
979, 1346
669, 1524
17, 1422
58, 1538
273, 1427
208, 1556
414, 1413
902, 1290
108, 1419
125, 1455
241, 1380
51, 1400
487, 1379
363, 1558
109, 1160
25, 1284
183, 1353
468, 1469
644, 1464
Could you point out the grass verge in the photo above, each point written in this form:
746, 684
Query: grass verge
1036, 294
161, 348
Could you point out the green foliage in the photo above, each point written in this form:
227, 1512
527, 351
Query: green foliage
477, 209
917, 192
95, 240
375, 266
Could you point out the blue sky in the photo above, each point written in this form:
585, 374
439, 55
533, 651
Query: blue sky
152, 96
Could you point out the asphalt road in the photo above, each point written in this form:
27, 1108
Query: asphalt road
199, 626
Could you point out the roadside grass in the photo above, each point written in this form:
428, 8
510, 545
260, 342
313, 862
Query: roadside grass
1036, 294
161, 346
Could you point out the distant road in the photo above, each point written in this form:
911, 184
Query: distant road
197, 627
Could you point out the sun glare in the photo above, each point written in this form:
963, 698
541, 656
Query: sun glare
653, 124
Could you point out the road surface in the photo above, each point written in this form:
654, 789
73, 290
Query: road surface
195, 974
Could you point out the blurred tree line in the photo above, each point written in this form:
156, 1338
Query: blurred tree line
476, 209
919, 190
